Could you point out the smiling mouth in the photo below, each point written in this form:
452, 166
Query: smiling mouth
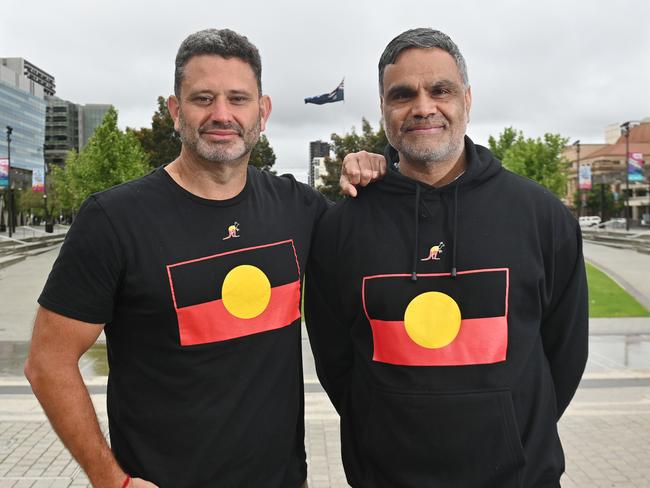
220, 135
426, 129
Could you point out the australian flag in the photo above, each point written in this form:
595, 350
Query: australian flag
335, 95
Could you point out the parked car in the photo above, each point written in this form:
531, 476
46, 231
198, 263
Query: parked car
589, 221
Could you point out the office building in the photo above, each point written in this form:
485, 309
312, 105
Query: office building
607, 166
318, 151
23, 87
68, 126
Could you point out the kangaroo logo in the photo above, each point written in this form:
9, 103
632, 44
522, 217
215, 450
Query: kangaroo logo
232, 231
434, 252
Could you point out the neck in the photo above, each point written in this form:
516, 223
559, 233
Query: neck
435, 174
212, 180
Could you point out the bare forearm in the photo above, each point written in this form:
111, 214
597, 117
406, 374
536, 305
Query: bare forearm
65, 399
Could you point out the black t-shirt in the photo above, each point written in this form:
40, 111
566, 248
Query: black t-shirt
201, 301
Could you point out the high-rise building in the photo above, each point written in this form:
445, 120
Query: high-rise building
61, 130
317, 151
91, 115
23, 87
69, 126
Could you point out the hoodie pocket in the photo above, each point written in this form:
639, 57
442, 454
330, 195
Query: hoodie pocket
462, 439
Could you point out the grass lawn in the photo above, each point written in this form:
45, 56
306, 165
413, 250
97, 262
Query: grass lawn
608, 299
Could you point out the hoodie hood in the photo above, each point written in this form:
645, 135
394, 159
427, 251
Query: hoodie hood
481, 166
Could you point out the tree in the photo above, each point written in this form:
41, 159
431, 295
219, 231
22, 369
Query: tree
505, 142
161, 142
368, 140
262, 155
111, 157
600, 201
538, 159
29, 201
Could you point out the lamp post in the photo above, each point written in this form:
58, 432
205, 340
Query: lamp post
625, 128
580, 203
11, 190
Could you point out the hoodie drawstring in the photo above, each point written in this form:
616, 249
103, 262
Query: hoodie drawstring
414, 273
454, 271
455, 233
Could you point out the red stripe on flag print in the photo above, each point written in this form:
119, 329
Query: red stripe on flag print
211, 322
479, 341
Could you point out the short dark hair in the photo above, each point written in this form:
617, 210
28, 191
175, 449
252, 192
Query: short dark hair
423, 38
220, 42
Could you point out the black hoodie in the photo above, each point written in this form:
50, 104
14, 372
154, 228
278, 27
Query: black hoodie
449, 328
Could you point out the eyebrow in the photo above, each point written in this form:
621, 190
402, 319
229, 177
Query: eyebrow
408, 90
207, 91
444, 85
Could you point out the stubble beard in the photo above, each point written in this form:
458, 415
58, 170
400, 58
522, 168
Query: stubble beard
219, 152
426, 153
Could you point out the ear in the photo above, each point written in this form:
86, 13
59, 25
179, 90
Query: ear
265, 110
468, 101
173, 105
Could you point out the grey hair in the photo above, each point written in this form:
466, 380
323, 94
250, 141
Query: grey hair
423, 38
220, 42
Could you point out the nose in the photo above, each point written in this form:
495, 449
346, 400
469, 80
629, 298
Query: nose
424, 105
220, 111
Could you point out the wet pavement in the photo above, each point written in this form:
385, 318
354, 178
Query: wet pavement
605, 431
618, 353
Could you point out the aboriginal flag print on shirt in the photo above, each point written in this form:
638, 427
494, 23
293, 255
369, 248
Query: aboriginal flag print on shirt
236, 293
438, 320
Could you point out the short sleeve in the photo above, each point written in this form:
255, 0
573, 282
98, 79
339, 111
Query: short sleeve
85, 276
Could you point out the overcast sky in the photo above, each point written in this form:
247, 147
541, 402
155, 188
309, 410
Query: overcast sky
570, 67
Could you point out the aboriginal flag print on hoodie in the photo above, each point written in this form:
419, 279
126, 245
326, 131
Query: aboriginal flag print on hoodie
236, 293
438, 321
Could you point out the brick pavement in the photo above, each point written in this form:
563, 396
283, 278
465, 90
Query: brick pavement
606, 435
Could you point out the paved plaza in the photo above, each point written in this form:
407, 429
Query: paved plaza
605, 431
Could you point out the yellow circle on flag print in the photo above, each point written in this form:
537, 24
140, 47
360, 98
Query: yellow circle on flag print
246, 291
432, 319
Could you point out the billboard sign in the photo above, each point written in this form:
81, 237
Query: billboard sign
584, 177
4, 173
635, 167
38, 180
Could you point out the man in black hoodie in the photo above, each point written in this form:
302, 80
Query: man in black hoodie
453, 346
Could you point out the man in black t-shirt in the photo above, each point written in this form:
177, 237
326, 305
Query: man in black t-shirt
194, 273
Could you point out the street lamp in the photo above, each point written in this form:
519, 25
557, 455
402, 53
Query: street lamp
11, 190
625, 129
580, 203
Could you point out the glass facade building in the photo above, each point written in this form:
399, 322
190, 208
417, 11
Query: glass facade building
91, 116
25, 113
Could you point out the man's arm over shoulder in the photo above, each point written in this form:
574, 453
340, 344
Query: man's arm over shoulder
565, 324
329, 335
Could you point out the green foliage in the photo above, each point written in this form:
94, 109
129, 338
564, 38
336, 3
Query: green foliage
262, 155
28, 201
607, 299
598, 201
368, 140
538, 159
506, 139
111, 157
161, 142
